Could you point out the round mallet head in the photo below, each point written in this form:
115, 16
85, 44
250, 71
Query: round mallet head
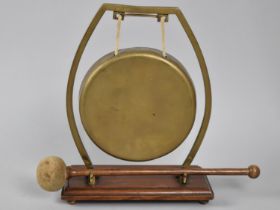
51, 173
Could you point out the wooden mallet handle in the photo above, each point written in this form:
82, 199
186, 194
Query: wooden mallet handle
252, 171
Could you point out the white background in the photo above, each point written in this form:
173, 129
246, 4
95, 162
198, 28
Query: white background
240, 42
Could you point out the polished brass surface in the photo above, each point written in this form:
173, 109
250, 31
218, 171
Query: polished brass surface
147, 10
137, 105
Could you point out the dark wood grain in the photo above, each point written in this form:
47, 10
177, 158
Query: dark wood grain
144, 187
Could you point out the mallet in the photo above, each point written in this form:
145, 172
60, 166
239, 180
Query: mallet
52, 172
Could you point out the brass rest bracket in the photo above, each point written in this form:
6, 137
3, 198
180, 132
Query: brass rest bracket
91, 178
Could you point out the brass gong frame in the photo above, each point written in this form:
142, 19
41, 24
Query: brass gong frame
144, 11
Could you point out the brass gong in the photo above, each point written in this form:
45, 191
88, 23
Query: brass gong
137, 110
137, 105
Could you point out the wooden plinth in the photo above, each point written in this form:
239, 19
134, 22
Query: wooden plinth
145, 187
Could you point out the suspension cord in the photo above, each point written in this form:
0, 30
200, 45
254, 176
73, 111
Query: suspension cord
118, 34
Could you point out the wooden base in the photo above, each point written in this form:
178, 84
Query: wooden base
145, 187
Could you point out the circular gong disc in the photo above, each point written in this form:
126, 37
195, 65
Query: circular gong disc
137, 105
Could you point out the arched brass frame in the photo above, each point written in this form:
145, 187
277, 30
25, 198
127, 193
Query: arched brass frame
142, 10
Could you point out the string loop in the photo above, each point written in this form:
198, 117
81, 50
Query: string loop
163, 42
119, 17
162, 19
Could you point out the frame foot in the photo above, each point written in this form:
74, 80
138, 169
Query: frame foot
72, 202
203, 202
